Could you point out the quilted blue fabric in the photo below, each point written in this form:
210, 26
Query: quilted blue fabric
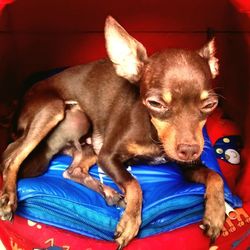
169, 201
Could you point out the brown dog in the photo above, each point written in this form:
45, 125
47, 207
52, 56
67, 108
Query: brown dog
134, 105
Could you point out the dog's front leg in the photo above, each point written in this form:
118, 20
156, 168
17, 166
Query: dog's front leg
130, 221
214, 216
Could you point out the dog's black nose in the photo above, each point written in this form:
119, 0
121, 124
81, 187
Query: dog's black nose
188, 152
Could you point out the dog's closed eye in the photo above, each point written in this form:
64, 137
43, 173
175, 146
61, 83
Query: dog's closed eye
209, 105
155, 104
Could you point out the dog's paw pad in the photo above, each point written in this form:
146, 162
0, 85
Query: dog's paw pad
7, 216
4, 199
214, 217
213, 227
119, 248
7, 206
127, 229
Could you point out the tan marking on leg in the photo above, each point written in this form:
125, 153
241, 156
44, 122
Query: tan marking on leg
130, 222
214, 216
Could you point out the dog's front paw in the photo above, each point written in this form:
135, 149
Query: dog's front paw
8, 204
214, 217
127, 229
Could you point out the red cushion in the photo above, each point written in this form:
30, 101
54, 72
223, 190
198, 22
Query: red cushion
220, 127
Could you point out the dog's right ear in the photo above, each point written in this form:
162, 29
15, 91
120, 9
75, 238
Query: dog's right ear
127, 54
208, 52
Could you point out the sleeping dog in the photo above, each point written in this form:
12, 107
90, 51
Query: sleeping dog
133, 106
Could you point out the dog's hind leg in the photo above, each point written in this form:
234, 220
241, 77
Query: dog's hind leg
74, 126
83, 158
37, 120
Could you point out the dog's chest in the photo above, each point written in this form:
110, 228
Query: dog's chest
138, 153
97, 142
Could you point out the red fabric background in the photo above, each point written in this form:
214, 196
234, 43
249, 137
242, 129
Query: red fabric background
23, 237
43, 34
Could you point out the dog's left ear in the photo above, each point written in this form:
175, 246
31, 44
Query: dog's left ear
127, 54
208, 52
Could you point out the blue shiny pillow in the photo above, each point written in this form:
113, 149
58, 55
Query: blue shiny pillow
169, 201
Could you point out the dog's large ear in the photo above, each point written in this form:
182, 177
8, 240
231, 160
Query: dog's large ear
208, 52
127, 54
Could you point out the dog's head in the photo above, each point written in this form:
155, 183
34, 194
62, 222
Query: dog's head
175, 87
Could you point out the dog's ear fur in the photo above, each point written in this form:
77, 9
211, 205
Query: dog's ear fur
208, 52
127, 54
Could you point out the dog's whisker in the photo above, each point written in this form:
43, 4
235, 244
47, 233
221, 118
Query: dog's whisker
213, 92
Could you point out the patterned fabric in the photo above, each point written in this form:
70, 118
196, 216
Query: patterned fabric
24, 234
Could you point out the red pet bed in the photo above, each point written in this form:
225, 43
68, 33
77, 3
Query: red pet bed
40, 35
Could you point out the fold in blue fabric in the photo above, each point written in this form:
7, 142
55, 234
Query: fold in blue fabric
169, 201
